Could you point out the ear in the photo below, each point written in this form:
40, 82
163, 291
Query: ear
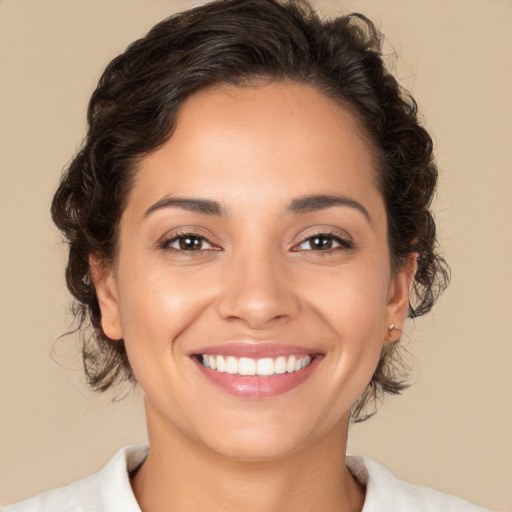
106, 290
398, 296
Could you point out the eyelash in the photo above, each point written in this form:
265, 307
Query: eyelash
344, 244
166, 244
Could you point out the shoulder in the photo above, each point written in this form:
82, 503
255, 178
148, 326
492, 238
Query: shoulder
109, 490
385, 492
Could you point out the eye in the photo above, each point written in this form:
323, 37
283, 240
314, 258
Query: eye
323, 242
188, 242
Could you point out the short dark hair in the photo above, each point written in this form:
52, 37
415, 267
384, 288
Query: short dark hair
133, 111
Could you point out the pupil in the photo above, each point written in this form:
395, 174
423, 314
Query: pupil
190, 243
321, 242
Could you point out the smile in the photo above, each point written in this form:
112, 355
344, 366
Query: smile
256, 371
247, 366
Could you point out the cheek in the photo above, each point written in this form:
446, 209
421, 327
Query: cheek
156, 306
352, 304
354, 295
155, 311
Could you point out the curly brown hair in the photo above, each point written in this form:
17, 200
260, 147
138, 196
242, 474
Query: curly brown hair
133, 111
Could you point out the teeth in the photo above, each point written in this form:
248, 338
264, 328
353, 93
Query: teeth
231, 365
246, 366
280, 365
262, 367
221, 364
306, 361
265, 366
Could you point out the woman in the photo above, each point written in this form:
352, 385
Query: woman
248, 224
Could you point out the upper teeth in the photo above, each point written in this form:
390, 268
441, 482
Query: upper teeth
248, 366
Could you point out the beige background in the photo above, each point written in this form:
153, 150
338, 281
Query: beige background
452, 430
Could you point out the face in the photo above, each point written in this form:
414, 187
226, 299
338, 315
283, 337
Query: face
253, 286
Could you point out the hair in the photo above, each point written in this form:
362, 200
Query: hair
133, 111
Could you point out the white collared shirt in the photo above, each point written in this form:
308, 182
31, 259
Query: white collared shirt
109, 490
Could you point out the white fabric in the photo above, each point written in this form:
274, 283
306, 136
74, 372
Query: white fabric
385, 493
110, 490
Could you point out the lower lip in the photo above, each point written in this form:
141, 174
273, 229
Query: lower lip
256, 387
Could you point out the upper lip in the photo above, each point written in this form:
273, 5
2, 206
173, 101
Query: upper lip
254, 350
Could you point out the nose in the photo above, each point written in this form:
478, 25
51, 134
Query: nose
258, 292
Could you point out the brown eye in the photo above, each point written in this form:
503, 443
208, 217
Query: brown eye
188, 242
323, 242
319, 243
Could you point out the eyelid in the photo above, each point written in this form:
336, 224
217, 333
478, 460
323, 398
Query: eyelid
343, 238
167, 239
172, 241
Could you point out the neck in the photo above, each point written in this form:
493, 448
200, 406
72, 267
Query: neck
183, 475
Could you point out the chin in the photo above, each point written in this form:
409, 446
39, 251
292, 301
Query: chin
255, 446
268, 439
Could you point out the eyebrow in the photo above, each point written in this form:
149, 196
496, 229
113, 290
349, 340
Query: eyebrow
204, 206
305, 204
314, 203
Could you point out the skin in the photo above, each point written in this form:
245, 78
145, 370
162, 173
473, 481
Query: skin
256, 277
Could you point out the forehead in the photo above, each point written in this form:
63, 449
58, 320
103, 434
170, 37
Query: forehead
243, 143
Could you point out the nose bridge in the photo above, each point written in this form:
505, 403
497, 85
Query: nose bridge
257, 290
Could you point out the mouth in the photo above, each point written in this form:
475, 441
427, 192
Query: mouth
256, 373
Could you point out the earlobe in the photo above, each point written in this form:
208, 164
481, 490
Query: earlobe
398, 297
106, 291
